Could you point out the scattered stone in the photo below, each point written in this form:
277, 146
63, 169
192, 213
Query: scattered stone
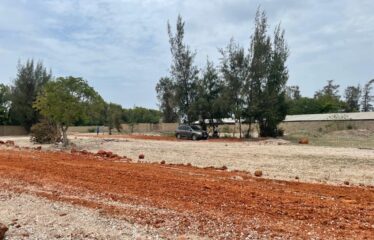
3, 230
141, 156
2, 142
346, 183
9, 143
223, 168
162, 162
63, 214
73, 151
297, 177
18, 226
303, 141
258, 173
39, 148
84, 152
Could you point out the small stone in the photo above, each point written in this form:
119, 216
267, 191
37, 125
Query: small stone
162, 162
258, 173
141, 156
346, 183
3, 230
297, 177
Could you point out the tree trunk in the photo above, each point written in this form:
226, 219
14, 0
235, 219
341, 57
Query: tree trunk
240, 128
65, 139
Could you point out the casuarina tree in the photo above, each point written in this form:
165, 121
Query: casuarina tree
184, 73
30, 80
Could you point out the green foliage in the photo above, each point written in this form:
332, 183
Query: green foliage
141, 115
113, 117
166, 95
4, 104
352, 98
266, 86
30, 80
235, 70
45, 132
184, 73
209, 102
66, 100
367, 98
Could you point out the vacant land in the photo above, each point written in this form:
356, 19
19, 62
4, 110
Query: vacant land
285, 162
169, 201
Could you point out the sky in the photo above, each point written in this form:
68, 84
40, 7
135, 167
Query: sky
121, 46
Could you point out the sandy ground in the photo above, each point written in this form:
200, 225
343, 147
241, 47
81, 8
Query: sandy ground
31, 217
287, 162
42, 195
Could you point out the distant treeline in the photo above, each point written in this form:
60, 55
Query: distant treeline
17, 102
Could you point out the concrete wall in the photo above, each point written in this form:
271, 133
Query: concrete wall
289, 127
313, 126
12, 131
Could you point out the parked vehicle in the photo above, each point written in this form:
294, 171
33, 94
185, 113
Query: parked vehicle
191, 132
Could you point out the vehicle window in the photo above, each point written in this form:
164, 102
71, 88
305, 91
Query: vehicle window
196, 128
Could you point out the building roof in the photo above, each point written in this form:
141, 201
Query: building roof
330, 117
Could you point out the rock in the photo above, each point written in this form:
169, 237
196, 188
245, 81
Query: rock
3, 230
39, 148
258, 173
346, 183
141, 156
162, 162
303, 141
101, 153
223, 168
84, 152
297, 177
9, 143
2, 142
73, 150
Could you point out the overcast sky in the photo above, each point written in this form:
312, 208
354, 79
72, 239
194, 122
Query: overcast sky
121, 46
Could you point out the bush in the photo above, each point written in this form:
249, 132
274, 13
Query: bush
92, 130
45, 132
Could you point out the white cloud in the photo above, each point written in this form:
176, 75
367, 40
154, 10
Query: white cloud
121, 47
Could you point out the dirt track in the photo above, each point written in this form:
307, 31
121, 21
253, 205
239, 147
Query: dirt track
187, 201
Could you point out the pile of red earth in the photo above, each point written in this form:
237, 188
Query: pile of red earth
102, 154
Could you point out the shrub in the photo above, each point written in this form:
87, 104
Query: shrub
92, 130
45, 132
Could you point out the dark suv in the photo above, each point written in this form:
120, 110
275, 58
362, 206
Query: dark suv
191, 132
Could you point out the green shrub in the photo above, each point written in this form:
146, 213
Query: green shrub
45, 132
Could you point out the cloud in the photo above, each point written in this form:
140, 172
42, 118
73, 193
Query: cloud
121, 46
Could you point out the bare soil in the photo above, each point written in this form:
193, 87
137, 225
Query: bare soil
187, 202
278, 159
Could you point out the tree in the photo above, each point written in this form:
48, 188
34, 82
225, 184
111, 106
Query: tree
66, 100
183, 72
141, 115
367, 98
234, 69
329, 99
266, 86
113, 117
352, 98
4, 104
30, 80
166, 96
209, 104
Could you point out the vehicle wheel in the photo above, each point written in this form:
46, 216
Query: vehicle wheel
194, 137
178, 136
